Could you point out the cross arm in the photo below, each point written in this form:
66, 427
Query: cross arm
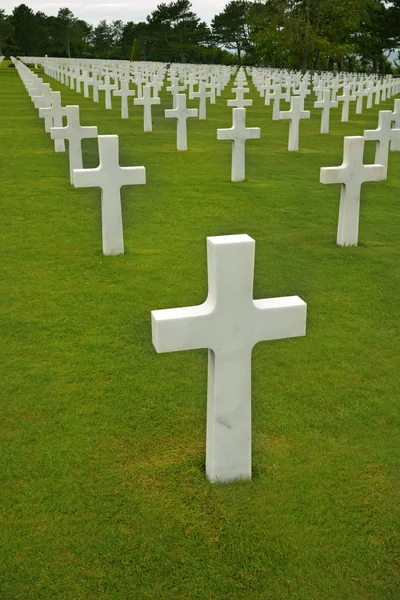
332, 174
181, 328
279, 318
88, 177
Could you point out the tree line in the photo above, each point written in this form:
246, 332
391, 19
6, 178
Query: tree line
294, 34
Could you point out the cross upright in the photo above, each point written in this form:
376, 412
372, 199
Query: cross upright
202, 94
181, 113
395, 146
74, 133
229, 323
147, 101
351, 175
295, 114
383, 136
359, 95
276, 96
124, 93
326, 104
55, 113
87, 81
107, 87
110, 177
346, 98
239, 133
95, 85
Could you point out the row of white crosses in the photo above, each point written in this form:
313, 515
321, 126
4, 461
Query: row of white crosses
229, 329
109, 176
353, 173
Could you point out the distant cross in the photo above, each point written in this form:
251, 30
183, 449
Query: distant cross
107, 87
395, 145
110, 177
74, 133
240, 101
95, 85
229, 323
377, 92
124, 93
276, 96
295, 114
87, 81
346, 98
147, 102
181, 113
383, 136
238, 133
326, 104
55, 113
360, 94
351, 174
202, 94
44, 99
175, 89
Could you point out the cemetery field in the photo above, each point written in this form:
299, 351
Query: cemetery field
103, 493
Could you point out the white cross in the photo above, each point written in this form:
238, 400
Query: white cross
87, 81
229, 323
240, 101
110, 177
359, 95
175, 89
346, 98
238, 133
326, 104
95, 84
74, 133
124, 93
107, 87
395, 146
276, 96
147, 102
351, 174
44, 100
202, 94
383, 135
55, 113
295, 114
181, 113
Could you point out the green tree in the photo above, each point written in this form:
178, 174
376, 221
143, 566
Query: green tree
102, 40
24, 23
231, 27
135, 54
175, 32
6, 32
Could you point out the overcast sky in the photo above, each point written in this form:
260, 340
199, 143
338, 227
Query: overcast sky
127, 10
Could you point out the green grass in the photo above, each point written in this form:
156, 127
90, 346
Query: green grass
102, 441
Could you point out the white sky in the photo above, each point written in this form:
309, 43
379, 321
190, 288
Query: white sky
127, 10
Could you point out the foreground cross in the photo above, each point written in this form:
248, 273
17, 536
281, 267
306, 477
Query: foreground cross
351, 174
74, 133
110, 177
182, 114
230, 323
239, 133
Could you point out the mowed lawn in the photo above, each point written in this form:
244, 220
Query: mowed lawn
102, 441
